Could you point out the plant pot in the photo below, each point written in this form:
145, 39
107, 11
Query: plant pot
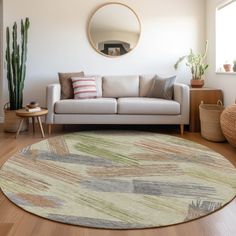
12, 121
234, 68
197, 83
227, 67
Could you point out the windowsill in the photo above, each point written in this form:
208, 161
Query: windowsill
225, 73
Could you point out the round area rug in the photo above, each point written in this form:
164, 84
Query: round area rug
118, 180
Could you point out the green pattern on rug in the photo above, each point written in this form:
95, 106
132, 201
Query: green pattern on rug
118, 179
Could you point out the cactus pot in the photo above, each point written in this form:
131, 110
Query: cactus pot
12, 121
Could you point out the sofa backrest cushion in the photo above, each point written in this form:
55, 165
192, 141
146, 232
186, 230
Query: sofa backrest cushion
98, 79
120, 86
67, 91
145, 84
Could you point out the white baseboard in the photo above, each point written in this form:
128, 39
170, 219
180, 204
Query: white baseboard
1, 119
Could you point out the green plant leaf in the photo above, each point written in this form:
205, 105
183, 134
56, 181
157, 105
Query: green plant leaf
196, 62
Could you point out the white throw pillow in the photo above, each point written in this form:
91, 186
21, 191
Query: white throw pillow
84, 87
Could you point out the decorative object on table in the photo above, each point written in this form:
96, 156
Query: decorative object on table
16, 56
197, 66
119, 179
228, 124
234, 67
33, 107
33, 104
227, 67
210, 121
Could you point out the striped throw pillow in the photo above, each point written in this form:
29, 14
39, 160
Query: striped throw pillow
84, 87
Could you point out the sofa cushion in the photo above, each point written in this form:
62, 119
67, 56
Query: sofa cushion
145, 84
98, 80
87, 106
84, 87
67, 91
162, 87
148, 106
120, 86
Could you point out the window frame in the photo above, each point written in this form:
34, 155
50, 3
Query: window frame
220, 70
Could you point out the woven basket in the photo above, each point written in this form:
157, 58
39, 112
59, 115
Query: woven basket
228, 124
210, 121
12, 121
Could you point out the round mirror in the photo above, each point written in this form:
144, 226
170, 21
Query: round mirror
114, 29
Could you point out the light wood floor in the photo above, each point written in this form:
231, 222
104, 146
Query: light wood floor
14, 221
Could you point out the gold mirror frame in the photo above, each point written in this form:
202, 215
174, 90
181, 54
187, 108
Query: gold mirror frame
90, 22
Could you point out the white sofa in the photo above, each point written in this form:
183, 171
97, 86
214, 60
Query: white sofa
121, 100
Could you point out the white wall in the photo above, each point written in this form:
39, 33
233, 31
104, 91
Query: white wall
58, 39
226, 82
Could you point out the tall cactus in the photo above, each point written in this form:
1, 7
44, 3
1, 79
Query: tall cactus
16, 56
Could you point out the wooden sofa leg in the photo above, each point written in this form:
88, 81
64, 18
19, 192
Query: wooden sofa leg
181, 129
49, 128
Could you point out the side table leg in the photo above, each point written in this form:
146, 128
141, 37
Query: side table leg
19, 128
33, 123
40, 125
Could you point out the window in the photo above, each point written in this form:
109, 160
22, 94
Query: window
226, 36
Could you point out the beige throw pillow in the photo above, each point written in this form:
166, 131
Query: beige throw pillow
162, 87
67, 91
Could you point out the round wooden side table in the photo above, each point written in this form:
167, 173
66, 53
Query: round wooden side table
26, 115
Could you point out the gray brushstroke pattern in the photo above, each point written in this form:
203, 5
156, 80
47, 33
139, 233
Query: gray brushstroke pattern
109, 185
72, 158
172, 189
149, 188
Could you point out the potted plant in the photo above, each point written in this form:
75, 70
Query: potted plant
16, 56
234, 67
197, 66
227, 66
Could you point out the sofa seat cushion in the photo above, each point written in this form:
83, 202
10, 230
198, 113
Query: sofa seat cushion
87, 106
148, 106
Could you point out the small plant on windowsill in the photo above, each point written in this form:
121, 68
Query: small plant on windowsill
195, 61
234, 67
227, 66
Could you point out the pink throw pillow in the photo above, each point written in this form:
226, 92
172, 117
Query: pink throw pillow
84, 87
